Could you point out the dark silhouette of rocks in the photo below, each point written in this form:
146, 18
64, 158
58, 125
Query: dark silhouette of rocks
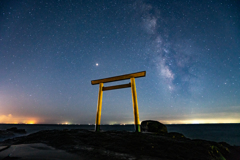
176, 135
16, 130
153, 126
129, 145
5, 134
11, 132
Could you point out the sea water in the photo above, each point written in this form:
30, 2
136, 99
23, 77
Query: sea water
229, 133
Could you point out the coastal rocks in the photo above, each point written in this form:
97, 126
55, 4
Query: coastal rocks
153, 126
16, 130
5, 134
176, 135
11, 132
120, 145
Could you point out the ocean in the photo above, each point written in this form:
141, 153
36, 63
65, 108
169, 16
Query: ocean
229, 133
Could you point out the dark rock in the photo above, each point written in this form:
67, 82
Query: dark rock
153, 126
5, 134
15, 130
129, 145
11, 132
176, 135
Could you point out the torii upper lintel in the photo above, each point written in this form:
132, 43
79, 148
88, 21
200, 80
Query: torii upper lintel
119, 78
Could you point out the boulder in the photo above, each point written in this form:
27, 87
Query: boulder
153, 126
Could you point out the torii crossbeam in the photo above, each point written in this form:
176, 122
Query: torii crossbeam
132, 84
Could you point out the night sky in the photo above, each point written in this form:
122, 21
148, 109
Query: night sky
51, 50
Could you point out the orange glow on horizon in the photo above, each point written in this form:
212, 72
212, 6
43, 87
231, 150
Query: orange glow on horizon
31, 122
11, 119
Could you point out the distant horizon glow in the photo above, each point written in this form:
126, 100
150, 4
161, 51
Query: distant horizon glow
22, 120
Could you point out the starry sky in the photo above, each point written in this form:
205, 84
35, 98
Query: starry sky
51, 50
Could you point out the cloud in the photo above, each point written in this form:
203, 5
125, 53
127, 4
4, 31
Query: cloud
5, 118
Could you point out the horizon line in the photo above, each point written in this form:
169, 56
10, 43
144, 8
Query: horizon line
90, 124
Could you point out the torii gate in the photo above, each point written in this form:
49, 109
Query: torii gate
132, 77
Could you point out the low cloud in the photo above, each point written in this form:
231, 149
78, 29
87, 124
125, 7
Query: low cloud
5, 118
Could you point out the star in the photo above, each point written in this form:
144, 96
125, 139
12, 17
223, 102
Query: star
96, 64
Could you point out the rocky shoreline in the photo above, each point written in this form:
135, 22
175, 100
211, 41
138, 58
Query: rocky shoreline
129, 145
11, 132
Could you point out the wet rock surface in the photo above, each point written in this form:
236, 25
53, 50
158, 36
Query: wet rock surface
129, 145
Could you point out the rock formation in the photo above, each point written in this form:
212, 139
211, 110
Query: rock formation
11, 132
153, 126
16, 130
129, 145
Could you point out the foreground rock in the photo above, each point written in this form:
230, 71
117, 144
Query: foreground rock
35, 151
129, 145
153, 126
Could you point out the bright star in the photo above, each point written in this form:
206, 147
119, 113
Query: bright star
96, 64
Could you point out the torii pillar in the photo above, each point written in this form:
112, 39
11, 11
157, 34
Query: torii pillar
132, 84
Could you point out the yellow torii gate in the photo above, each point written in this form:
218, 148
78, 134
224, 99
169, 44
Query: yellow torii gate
132, 77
